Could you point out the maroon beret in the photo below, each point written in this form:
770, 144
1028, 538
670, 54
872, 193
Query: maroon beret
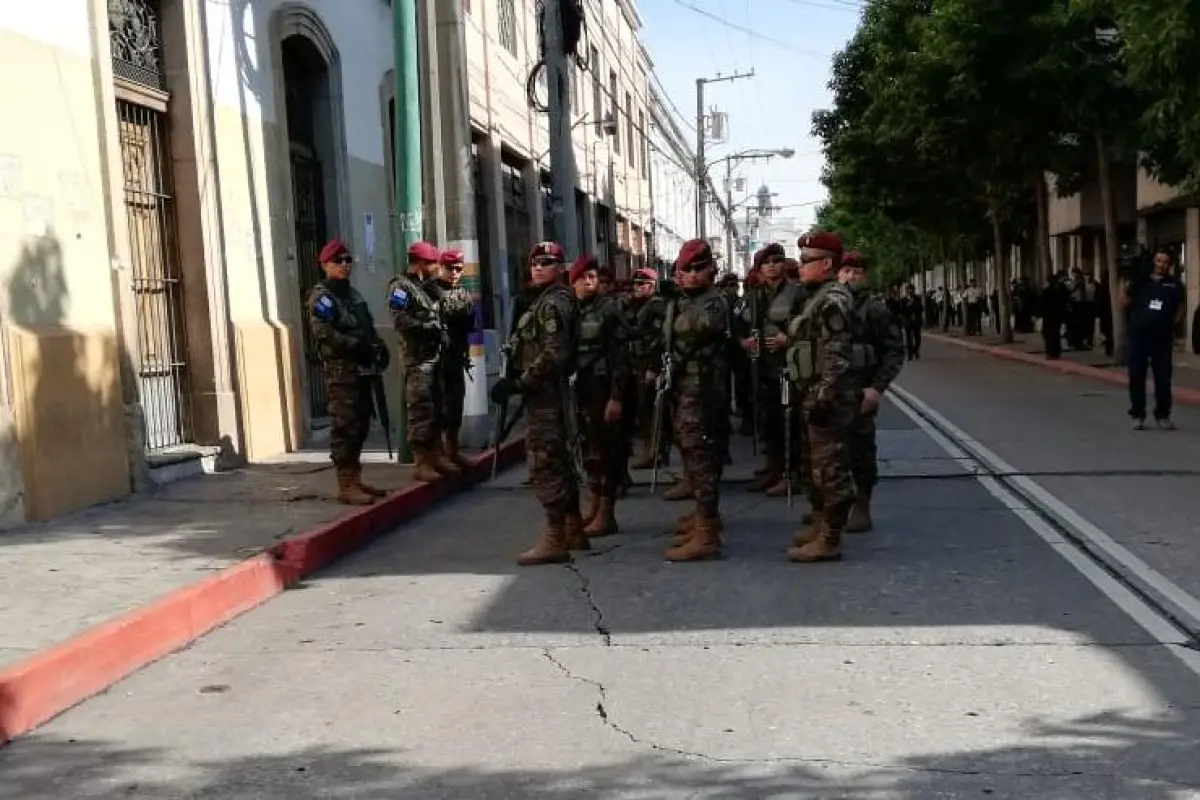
694, 253
854, 259
822, 240
645, 275
582, 264
451, 258
332, 250
552, 250
423, 251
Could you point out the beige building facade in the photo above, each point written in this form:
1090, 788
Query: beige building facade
159, 224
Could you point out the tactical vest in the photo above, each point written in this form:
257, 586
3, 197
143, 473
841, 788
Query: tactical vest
697, 346
804, 356
591, 337
352, 317
528, 339
779, 312
863, 359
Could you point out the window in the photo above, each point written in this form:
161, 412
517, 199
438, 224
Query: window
616, 111
645, 144
629, 123
513, 184
507, 20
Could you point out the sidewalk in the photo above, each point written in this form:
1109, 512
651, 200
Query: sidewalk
153, 553
1028, 348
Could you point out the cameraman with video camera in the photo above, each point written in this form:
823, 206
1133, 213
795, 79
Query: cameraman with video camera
1153, 301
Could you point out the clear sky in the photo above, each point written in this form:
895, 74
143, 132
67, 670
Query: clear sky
788, 44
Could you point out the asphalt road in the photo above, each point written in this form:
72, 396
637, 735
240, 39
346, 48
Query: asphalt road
957, 652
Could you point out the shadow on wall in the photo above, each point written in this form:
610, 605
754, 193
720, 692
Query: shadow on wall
66, 399
1106, 755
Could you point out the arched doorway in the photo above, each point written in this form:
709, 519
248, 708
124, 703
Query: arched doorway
311, 111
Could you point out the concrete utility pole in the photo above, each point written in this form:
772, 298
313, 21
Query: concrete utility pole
452, 151
409, 214
562, 150
701, 167
729, 229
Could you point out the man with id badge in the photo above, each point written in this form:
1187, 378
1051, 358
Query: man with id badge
1154, 303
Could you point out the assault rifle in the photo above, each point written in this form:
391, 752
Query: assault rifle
662, 388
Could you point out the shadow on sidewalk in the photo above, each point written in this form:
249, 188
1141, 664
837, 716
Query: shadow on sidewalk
1108, 755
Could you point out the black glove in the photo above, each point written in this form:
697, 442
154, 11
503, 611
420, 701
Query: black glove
382, 357
504, 389
364, 353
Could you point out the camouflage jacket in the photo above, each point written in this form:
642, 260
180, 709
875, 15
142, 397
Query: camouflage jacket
877, 355
820, 358
767, 309
647, 331
603, 355
545, 343
343, 331
458, 319
415, 306
697, 330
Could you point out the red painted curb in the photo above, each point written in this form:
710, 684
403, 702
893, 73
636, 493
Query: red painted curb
41, 687
1181, 395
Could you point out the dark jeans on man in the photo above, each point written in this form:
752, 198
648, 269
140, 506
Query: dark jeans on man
1150, 353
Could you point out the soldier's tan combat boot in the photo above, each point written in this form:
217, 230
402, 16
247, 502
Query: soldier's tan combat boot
810, 527
593, 505
366, 487
644, 461
778, 489
685, 526
439, 461
550, 549
349, 492
825, 546
453, 453
860, 516
682, 490
771, 476
576, 536
703, 544
605, 521
423, 469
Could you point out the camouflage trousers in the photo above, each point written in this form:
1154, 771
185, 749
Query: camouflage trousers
350, 405
604, 444
551, 474
829, 479
864, 452
454, 392
699, 436
422, 397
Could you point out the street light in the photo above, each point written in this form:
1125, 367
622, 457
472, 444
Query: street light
701, 196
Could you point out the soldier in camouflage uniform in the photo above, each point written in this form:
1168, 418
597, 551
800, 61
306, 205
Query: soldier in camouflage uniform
601, 384
650, 309
820, 364
878, 358
696, 339
415, 303
773, 301
351, 353
544, 350
458, 320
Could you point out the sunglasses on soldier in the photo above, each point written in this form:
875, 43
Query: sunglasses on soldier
812, 259
344, 261
545, 261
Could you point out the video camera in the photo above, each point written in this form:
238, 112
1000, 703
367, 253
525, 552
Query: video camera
1134, 262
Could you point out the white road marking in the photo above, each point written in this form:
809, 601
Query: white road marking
970, 454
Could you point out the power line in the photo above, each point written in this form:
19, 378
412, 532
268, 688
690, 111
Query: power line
762, 37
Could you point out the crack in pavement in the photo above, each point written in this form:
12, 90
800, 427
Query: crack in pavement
606, 718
